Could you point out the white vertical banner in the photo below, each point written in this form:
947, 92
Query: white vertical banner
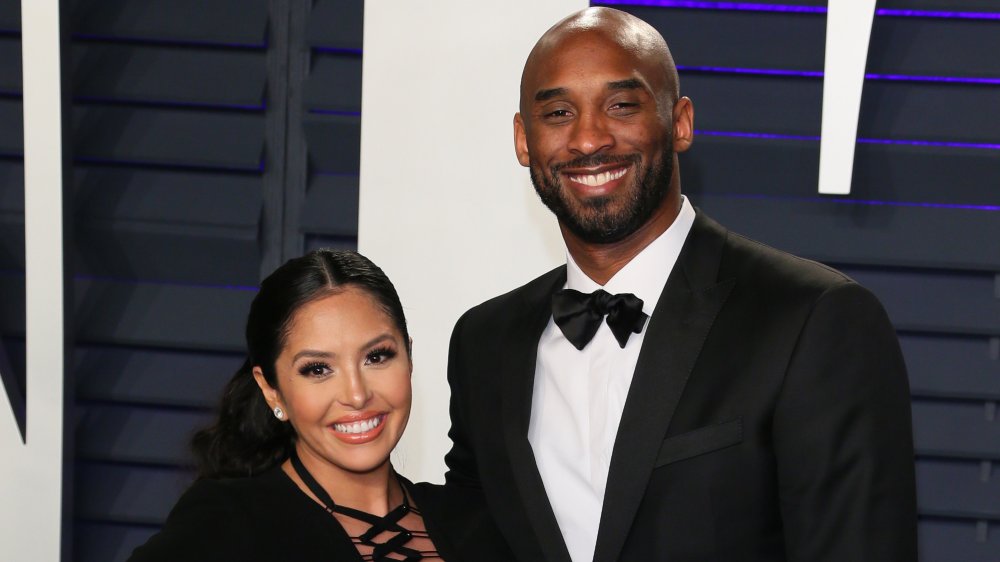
31, 472
848, 32
445, 209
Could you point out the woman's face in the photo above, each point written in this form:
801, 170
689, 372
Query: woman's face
343, 382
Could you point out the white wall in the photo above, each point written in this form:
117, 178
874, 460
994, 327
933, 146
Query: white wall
445, 209
31, 472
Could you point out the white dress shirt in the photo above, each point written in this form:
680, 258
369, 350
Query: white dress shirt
579, 395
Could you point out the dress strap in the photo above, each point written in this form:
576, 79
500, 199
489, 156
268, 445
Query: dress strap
379, 525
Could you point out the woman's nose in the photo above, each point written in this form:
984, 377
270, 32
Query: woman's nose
355, 392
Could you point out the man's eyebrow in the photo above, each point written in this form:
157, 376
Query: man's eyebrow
544, 95
627, 84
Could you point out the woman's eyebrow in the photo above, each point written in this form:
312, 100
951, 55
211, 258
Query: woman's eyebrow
312, 353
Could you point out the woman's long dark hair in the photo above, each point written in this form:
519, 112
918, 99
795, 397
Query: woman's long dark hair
247, 439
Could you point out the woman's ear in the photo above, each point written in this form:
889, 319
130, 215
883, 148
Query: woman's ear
271, 395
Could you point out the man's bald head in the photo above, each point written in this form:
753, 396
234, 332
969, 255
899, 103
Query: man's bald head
617, 29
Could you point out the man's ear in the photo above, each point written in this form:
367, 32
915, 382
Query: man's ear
520, 141
271, 395
683, 124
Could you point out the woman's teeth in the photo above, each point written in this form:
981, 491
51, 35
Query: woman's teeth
362, 426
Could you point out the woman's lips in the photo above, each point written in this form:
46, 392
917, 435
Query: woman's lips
356, 430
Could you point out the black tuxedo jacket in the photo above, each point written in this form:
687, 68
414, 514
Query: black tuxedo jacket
768, 417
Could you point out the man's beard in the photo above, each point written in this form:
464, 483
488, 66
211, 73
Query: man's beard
608, 219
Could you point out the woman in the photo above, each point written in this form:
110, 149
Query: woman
297, 466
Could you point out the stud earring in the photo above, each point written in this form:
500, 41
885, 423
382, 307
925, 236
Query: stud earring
279, 413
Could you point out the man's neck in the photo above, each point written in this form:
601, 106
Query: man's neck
600, 262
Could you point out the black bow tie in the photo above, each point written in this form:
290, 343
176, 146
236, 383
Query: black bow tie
579, 315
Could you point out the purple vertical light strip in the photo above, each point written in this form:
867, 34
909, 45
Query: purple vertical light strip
902, 142
791, 8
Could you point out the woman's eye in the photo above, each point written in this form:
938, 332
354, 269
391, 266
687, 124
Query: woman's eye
379, 356
314, 370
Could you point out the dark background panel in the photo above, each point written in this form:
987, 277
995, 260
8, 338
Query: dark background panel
334, 142
948, 540
882, 172
11, 127
952, 367
152, 74
969, 489
11, 215
755, 104
853, 231
959, 430
201, 198
331, 206
986, 6
10, 16
100, 542
153, 252
127, 493
334, 83
169, 137
336, 24
10, 65
737, 39
196, 317
779, 105
219, 22
137, 434
960, 302
150, 376
930, 111
926, 47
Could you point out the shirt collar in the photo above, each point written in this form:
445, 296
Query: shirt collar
647, 273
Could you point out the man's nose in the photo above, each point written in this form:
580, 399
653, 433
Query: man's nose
590, 135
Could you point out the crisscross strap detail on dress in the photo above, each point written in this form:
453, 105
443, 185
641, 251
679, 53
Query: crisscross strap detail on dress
397, 544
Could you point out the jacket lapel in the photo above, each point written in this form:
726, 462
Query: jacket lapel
518, 372
691, 299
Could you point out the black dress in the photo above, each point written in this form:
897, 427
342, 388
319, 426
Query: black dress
267, 518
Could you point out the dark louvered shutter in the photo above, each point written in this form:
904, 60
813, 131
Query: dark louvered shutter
197, 151
11, 209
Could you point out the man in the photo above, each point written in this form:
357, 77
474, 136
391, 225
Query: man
737, 403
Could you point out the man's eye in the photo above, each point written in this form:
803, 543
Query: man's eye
624, 106
557, 114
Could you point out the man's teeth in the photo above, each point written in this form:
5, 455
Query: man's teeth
363, 426
594, 180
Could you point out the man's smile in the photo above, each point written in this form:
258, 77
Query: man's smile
596, 179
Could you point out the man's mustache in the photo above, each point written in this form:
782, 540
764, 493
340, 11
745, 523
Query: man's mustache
595, 160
